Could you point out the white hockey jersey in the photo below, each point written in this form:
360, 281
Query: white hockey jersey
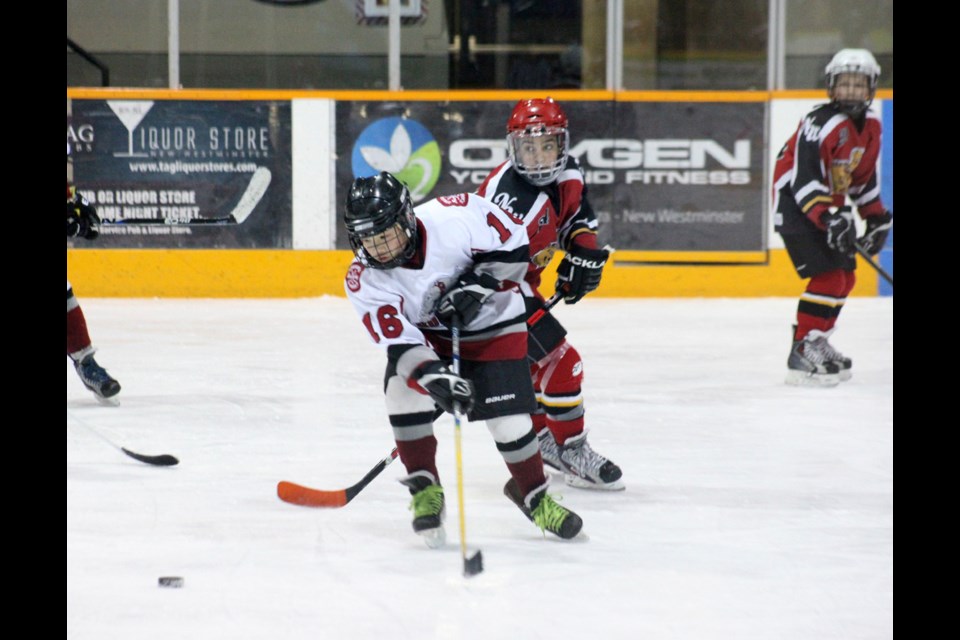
456, 233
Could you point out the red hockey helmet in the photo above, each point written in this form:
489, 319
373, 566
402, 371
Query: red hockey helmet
538, 140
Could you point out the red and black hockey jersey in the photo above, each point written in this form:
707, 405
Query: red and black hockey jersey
556, 216
827, 159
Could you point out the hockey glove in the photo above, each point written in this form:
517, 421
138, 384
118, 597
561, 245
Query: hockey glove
875, 236
841, 231
579, 272
445, 387
465, 299
82, 219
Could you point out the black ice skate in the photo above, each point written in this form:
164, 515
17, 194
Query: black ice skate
542, 510
428, 507
96, 378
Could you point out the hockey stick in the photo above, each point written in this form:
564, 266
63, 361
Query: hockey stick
162, 460
472, 565
309, 497
244, 207
539, 313
305, 496
866, 256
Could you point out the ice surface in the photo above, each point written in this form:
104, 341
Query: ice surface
753, 510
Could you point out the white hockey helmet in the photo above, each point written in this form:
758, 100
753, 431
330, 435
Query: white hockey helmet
857, 61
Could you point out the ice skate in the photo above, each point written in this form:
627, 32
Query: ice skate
542, 510
584, 468
808, 365
843, 363
428, 507
96, 378
549, 450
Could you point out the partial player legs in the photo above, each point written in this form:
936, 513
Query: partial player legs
563, 441
813, 361
411, 417
80, 350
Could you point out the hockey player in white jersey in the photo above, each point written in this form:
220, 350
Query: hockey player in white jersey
454, 259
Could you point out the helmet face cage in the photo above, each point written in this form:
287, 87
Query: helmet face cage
375, 205
852, 61
528, 127
539, 172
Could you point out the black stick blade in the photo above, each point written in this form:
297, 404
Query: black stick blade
473, 566
163, 460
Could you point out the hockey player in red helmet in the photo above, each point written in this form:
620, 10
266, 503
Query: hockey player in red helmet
829, 160
542, 184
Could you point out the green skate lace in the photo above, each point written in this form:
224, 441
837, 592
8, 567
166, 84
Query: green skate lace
549, 515
428, 502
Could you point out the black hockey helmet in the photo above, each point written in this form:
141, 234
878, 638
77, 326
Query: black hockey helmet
374, 205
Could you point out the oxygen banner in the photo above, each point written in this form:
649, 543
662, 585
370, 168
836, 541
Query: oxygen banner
661, 176
184, 174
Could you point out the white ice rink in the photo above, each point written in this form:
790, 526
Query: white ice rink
753, 510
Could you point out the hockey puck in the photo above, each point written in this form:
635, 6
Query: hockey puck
174, 582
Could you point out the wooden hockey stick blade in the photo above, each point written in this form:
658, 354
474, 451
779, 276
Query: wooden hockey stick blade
163, 460
252, 196
307, 497
248, 201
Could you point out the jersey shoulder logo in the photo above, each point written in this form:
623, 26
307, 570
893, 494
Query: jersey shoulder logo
458, 200
353, 277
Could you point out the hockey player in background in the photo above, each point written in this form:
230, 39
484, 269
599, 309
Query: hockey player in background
831, 157
543, 185
83, 222
453, 259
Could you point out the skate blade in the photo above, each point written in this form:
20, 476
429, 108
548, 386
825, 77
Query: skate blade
434, 538
579, 483
112, 401
845, 375
806, 379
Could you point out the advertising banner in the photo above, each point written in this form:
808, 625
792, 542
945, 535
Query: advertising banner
185, 174
673, 176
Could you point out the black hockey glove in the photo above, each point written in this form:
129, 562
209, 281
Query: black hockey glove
82, 219
841, 231
579, 272
466, 297
445, 387
875, 236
